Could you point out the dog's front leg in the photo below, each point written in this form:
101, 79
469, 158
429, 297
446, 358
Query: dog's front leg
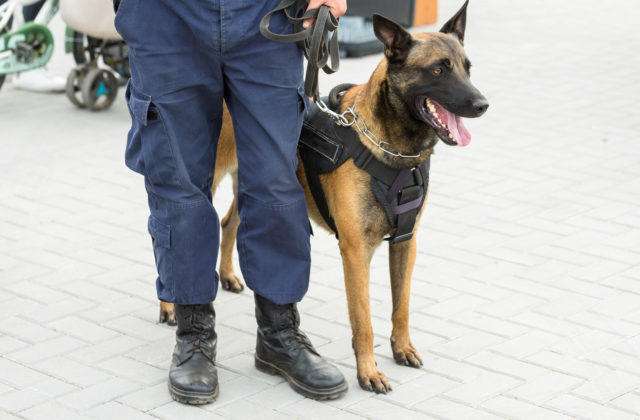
402, 257
356, 258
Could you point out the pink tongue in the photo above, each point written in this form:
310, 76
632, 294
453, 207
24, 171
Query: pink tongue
454, 123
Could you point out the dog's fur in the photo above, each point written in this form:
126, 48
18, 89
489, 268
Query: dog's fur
390, 104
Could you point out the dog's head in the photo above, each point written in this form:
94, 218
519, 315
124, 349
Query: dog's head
429, 76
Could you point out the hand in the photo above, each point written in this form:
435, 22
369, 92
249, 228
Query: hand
336, 7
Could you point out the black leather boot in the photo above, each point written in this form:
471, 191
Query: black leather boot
285, 350
193, 377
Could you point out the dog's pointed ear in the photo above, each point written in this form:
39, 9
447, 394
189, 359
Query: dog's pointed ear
397, 42
457, 23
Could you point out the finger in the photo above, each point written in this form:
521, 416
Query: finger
307, 23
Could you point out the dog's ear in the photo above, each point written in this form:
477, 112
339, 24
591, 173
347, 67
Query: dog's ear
397, 42
457, 23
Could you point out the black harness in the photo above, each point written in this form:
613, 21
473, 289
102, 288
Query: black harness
325, 146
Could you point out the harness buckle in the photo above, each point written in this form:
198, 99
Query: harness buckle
401, 238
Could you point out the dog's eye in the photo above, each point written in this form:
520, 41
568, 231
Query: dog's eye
437, 71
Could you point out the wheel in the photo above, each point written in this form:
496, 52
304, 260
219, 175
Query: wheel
99, 89
73, 89
1, 80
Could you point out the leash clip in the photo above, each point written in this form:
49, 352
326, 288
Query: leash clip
340, 119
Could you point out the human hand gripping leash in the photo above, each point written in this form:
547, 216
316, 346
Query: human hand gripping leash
321, 51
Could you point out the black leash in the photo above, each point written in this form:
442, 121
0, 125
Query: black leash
321, 51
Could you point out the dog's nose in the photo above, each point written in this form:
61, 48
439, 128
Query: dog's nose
480, 106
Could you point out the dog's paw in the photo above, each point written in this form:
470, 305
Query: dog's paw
406, 355
232, 283
374, 381
167, 313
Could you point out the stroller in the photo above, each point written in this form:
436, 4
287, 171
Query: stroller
91, 36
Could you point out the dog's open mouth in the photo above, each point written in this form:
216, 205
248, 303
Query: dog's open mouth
448, 126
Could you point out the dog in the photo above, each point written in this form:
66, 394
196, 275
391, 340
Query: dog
415, 97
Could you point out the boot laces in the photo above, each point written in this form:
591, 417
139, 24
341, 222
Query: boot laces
199, 328
295, 336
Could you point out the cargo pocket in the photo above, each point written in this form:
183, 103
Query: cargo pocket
161, 239
149, 149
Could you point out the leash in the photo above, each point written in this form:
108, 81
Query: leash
321, 51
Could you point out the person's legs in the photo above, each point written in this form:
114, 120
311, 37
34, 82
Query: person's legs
175, 100
264, 94
31, 11
264, 79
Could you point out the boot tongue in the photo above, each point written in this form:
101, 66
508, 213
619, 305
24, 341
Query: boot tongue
455, 125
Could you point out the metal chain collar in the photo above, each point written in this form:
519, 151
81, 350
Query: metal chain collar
356, 119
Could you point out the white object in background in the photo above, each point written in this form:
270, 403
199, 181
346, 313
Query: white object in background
38, 80
91, 17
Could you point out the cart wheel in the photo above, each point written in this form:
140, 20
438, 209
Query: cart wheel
99, 89
1, 80
73, 89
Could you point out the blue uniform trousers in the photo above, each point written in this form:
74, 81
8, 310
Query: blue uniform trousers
186, 57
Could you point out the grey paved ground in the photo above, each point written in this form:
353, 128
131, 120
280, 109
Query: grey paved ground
526, 294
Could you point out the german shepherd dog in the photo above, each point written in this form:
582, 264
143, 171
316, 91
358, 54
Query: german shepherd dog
415, 97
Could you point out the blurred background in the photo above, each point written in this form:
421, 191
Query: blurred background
526, 292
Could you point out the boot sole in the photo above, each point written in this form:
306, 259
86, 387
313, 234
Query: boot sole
193, 398
313, 393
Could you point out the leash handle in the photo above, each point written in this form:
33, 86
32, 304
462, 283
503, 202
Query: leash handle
321, 51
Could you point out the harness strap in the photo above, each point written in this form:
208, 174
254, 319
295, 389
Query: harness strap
315, 42
399, 192
311, 172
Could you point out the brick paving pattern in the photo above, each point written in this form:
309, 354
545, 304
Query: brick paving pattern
526, 294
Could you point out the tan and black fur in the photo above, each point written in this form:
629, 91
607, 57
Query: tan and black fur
387, 103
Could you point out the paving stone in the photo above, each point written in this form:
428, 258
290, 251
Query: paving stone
133, 370
376, 409
419, 389
465, 346
515, 409
629, 402
280, 395
82, 329
482, 388
581, 408
147, 398
139, 328
17, 375
545, 387
114, 410
177, 411
20, 400
505, 365
97, 394
568, 364
72, 371
488, 324
549, 324
526, 344
9, 344
45, 349
52, 410
445, 409
247, 410
607, 387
